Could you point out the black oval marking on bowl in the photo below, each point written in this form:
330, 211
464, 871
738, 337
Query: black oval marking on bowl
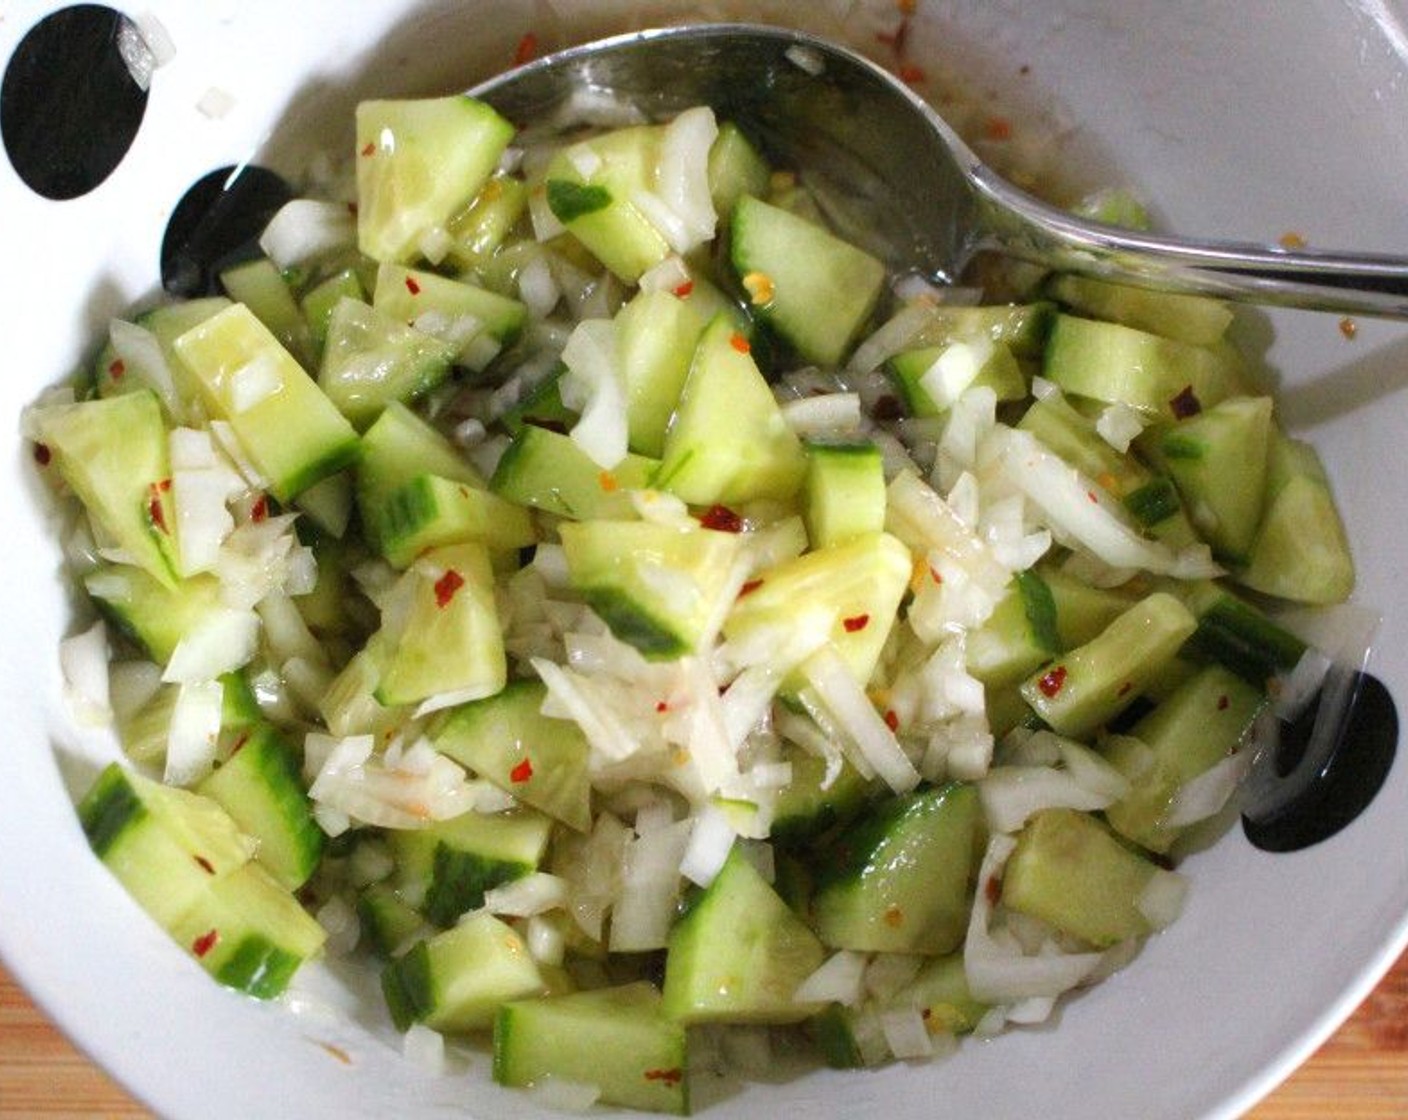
69, 106
217, 224
1356, 771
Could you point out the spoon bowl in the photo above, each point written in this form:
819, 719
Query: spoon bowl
893, 176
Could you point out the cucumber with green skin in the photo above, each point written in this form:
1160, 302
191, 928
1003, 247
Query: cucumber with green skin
457, 980
287, 426
816, 290
899, 879
739, 954
616, 1039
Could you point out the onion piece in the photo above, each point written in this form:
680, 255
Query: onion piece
595, 384
710, 841
522, 898
650, 883
304, 228
906, 1033
848, 704
83, 659
1205, 795
838, 980
998, 971
1163, 897
194, 732
425, 1049
830, 414
221, 642
682, 175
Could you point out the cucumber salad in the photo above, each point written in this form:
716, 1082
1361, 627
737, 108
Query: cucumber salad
567, 576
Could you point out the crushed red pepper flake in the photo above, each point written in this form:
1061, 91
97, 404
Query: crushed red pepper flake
748, 588
721, 518
672, 1076
42, 454
260, 509
1349, 328
205, 864
337, 1052
1052, 681
1091, 495
154, 508
607, 481
997, 128
1185, 403
369, 149
205, 942
740, 343
1222, 703
661, 706
894, 916
116, 368
446, 586
239, 743
855, 623
682, 290
1124, 688
522, 772
412, 286
912, 75
526, 50
892, 721
992, 889
887, 408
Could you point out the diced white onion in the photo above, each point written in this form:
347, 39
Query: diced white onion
1301, 685
340, 920
537, 287
830, 414
1011, 794
805, 59
532, 894
847, 702
305, 228
83, 659
838, 980
682, 175
955, 368
546, 943
194, 732
215, 103
558, 1094
220, 642
1118, 425
650, 883
893, 336
710, 841
425, 1049
1163, 897
906, 1033
595, 384
254, 383
1207, 794
141, 352
998, 971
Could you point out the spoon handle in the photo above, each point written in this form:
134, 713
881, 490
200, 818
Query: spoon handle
1359, 283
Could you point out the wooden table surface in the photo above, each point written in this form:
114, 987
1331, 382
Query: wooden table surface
1360, 1074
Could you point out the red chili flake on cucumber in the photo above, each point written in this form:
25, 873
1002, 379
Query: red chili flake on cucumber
446, 586
116, 368
260, 509
855, 623
1052, 682
672, 1076
740, 343
892, 721
205, 865
661, 706
522, 772
722, 519
205, 942
369, 149
748, 588
412, 286
42, 454
684, 289
154, 508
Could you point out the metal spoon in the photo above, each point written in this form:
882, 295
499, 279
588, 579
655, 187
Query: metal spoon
898, 179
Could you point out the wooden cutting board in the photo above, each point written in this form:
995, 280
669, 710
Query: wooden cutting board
1360, 1074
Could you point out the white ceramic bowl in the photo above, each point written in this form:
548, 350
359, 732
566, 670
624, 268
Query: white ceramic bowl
1244, 120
